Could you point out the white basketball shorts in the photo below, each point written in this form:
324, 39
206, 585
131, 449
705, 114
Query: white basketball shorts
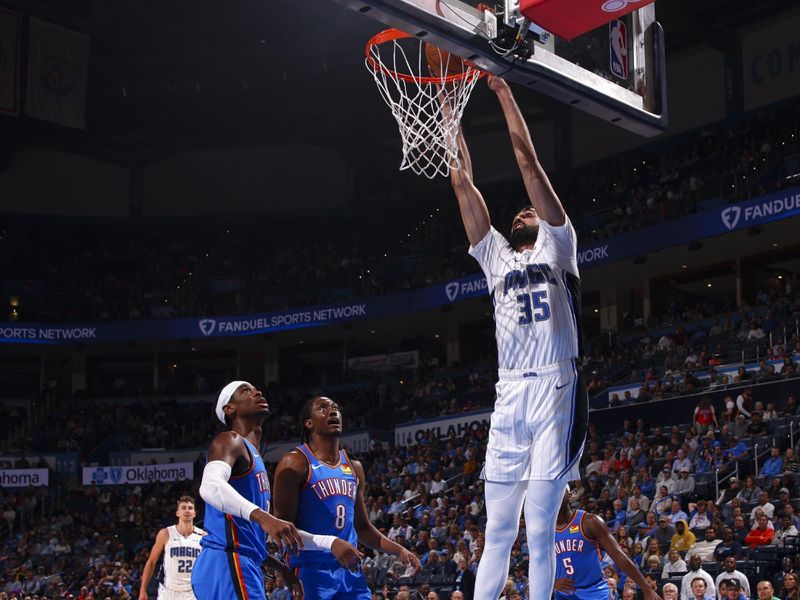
538, 426
166, 594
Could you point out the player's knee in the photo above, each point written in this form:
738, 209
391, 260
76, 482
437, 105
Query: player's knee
500, 533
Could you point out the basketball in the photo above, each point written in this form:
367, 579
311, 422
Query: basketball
441, 62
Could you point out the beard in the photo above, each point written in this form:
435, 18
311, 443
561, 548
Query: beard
523, 236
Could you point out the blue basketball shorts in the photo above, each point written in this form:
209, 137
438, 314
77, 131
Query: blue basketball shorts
220, 575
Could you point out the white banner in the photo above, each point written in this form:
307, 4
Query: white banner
403, 360
10, 26
16, 478
58, 63
441, 428
134, 475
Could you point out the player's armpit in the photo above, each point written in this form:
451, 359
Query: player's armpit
290, 475
228, 447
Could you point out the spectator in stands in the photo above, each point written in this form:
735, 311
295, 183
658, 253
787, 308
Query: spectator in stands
773, 466
790, 589
681, 462
684, 485
700, 517
757, 427
705, 548
699, 589
635, 515
750, 492
696, 570
744, 401
774, 490
737, 450
677, 514
663, 533
764, 505
704, 416
673, 564
765, 590
740, 528
683, 538
728, 547
665, 478
662, 504
787, 532
652, 548
733, 590
761, 534
729, 572
670, 591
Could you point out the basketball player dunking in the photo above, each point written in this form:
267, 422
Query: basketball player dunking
180, 544
540, 415
236, 490
580, 537
321, 490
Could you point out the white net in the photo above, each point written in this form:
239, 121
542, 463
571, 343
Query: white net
427, 108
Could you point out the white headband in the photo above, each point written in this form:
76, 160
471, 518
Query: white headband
225, 397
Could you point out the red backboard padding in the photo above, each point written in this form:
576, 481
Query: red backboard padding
570, 18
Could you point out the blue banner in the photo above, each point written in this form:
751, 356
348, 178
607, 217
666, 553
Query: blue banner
699, 226
217, 327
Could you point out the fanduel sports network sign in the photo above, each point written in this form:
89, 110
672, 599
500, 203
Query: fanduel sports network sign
709, 223
18, 478
138, 475
706, 224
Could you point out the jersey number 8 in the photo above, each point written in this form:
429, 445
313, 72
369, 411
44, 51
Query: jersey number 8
341, 516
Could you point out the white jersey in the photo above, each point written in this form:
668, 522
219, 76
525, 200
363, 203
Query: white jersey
179, 555
536, 295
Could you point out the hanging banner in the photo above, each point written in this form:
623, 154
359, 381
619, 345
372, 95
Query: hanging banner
10, 27
58, 65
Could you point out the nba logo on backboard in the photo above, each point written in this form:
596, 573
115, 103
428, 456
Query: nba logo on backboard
618, 48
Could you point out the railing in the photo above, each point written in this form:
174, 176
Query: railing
756, 455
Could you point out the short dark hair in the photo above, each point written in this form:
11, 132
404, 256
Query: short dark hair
185, 499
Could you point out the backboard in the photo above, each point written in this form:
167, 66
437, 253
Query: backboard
615, 72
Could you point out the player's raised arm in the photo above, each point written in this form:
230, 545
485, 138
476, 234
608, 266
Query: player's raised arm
540, 191
152, 560
290, 475
369, 535
470, 201
598, 530
228, 452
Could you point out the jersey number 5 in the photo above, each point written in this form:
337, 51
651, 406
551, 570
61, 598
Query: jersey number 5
568, 566
535, 301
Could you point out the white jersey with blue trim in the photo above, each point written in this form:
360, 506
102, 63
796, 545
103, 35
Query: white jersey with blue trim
180, 553
536, 296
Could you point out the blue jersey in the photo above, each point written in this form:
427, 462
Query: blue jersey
326, 505
578, 558
234, 534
